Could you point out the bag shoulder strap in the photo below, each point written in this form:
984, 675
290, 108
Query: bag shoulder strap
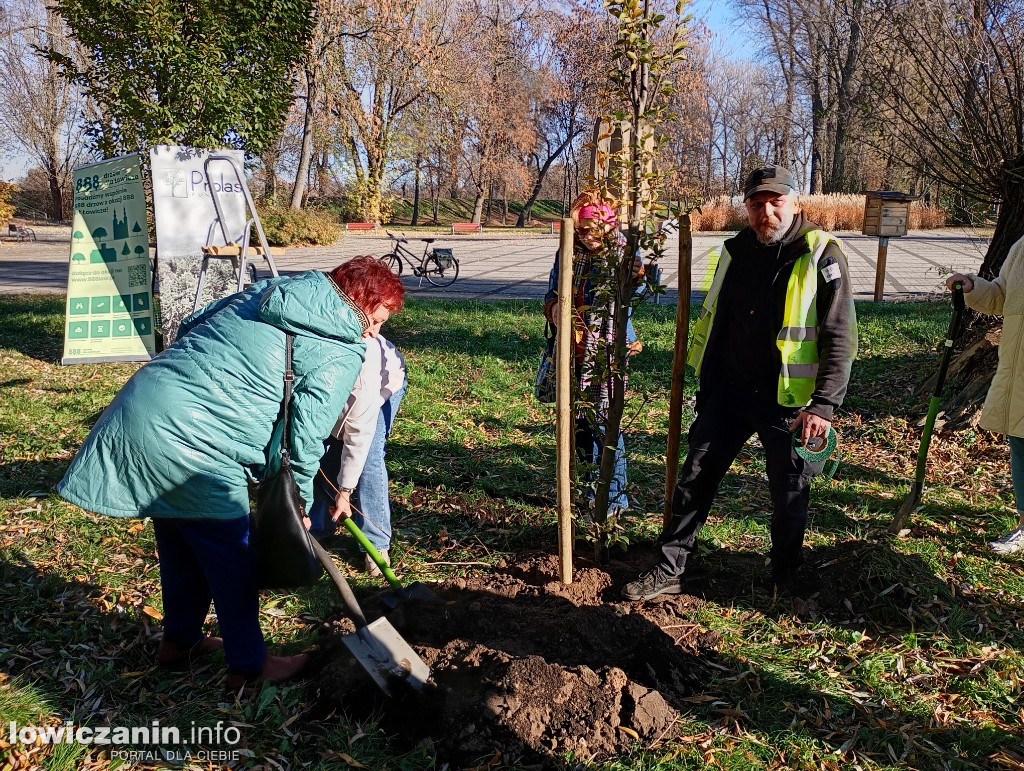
289, 377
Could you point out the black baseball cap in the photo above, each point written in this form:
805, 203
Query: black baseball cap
772, 179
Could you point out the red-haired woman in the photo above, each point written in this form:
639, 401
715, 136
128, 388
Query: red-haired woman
179, 442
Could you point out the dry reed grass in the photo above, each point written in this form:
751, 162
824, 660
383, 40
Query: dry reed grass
834, 211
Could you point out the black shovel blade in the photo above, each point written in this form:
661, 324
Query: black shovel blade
417, 591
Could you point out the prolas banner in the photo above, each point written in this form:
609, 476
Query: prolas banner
109, 314
185, 220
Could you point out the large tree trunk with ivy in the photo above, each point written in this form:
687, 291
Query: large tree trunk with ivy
954, 81
1010, 222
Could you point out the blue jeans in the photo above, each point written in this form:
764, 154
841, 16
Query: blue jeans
203, 560
371, 493
1017, 470
589, 446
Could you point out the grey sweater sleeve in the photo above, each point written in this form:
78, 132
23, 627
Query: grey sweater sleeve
837, 332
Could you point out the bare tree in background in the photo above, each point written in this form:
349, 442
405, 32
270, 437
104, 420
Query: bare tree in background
957, 77
494, 100
375, 79
40, 110
334, 20
570, 79
820, 51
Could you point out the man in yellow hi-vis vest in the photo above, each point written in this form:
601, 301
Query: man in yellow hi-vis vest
772, 349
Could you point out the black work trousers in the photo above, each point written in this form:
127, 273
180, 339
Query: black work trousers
726, 418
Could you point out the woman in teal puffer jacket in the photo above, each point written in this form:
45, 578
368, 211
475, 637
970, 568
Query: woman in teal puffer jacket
181, 439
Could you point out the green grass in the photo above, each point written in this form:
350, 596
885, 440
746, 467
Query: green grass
924, 669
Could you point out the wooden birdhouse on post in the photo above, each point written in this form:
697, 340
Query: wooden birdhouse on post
886, 215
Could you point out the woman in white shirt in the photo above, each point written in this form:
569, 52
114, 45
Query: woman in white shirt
354, 459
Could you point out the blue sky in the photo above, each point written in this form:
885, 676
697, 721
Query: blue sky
731, 39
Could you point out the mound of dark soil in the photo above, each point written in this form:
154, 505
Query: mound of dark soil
526, 669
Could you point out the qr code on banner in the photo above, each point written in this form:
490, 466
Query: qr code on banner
137, 275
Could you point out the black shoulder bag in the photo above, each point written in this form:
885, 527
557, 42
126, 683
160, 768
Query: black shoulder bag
282, 555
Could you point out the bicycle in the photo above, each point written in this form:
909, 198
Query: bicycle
438, 266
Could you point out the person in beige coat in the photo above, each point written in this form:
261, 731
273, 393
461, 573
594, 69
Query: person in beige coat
1004, 405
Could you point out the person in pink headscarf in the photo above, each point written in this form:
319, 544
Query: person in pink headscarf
596, 230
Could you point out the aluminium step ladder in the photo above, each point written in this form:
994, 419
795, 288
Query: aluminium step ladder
237, 249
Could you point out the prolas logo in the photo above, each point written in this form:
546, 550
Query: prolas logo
201, 185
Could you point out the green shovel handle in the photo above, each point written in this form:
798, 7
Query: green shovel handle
389, 574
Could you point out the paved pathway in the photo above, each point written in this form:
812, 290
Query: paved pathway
499, 267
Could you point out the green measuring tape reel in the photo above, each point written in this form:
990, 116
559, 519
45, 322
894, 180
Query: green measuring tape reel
820, 450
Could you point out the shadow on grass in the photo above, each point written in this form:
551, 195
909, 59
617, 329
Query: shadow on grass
78, 651
56, 636
518, 472
34, 326
857, 585
20, 479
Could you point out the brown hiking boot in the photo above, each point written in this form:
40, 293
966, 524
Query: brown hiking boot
172, 656
371, 567
651, 584
276, 669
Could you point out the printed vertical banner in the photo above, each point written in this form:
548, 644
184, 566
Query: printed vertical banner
186, 220
109, 313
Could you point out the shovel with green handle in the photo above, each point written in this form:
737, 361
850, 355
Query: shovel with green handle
377, 646
414, 591
913, 501
398, 593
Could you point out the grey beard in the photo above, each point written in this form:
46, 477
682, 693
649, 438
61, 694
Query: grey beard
776, 235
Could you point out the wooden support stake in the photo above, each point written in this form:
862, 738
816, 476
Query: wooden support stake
675, 407
883, 252
563, 400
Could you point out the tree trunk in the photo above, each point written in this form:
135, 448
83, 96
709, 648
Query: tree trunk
56, 196
416, 193
969, 375
323, 171
817, 129
478, 205
844, 105
373, 198
565, 190
1009, 224
306, 153
270, 157
542, 173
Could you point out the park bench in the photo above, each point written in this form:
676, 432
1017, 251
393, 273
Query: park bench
467, 227
360, 226
556, 226
20, 232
